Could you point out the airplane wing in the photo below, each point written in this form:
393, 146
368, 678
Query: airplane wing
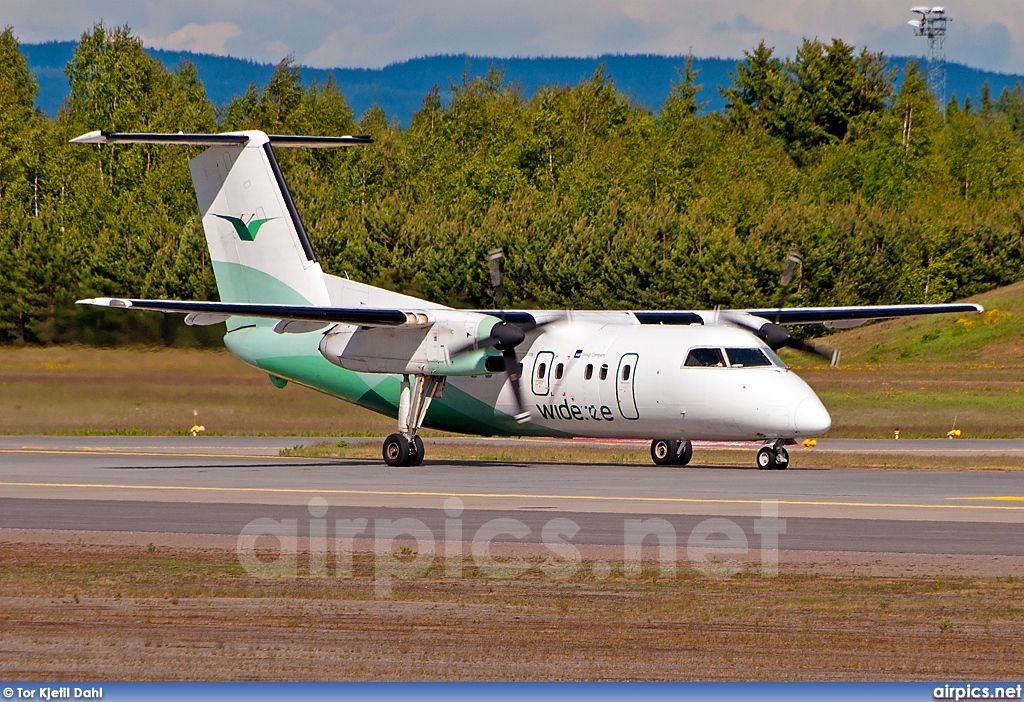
825, 315
204, 313
378, 316
832, 317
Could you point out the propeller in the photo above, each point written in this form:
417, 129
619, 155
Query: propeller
505, 337
793, 261
773, 333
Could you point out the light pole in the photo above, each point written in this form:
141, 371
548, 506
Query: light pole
932, 24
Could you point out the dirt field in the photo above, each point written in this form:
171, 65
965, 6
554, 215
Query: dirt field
75, 610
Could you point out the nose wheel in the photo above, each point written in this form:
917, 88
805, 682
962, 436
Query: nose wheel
773, 457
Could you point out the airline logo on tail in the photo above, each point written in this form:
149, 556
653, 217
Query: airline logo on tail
245, 231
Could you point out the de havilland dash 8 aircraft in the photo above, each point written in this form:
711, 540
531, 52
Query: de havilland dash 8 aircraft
669, 376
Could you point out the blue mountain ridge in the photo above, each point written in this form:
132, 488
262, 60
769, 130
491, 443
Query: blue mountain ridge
399, 88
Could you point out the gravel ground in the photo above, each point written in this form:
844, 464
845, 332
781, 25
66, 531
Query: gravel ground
107, 606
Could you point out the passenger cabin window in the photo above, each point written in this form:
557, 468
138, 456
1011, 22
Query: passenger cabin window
705, 358
745, 358
604, 371
588, 372
558, 371
541, 370
625, 372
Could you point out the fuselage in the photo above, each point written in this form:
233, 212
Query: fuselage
586, 377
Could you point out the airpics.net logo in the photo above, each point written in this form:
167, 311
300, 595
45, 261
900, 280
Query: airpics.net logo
406, 548
959, 693
246, 231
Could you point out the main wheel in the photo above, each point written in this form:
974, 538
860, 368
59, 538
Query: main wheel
684, 452
415, 452
766, 458
664, 451
396, 450
781, 458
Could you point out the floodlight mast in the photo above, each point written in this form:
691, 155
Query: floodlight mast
933, 25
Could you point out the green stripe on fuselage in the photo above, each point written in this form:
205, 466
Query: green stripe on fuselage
296, 357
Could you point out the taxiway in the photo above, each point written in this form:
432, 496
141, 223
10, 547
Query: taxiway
217, 485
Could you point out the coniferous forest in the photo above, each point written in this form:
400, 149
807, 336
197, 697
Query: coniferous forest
598, 202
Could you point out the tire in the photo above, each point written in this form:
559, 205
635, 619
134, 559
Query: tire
684, 453
396, 450
781, 459
416, 457
766, 458
663, 451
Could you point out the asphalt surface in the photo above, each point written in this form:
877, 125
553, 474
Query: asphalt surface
219, 485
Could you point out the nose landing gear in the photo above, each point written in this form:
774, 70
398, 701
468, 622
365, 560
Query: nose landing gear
774, 457
671, 452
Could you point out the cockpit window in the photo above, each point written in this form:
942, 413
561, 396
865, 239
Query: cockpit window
745, 358
775, 359
706, 358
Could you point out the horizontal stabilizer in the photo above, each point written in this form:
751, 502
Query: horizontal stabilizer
226, 139
201, 312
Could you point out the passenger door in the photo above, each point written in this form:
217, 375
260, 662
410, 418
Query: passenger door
624, 395
542, 369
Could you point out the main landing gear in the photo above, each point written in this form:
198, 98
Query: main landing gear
671, 452
774, 457
405, 448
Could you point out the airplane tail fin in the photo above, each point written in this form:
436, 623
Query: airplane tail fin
258, 245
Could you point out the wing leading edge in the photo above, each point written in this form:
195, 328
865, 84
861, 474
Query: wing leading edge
820, 315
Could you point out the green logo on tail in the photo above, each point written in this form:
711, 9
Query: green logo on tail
246, 232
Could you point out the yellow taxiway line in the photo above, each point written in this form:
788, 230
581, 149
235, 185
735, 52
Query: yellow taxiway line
87, 452
1003, 498
522, 496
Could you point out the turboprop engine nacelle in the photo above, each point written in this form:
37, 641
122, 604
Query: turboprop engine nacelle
419, 347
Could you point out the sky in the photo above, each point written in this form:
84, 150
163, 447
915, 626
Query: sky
987, 34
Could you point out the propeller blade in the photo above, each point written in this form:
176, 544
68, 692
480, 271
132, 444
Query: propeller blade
793, 261
831, 355
495, 259
512, 370
777, 336
503, 336
486, 343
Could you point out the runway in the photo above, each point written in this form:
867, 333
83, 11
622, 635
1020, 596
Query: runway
218, 485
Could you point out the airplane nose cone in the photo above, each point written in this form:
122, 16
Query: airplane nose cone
811, 417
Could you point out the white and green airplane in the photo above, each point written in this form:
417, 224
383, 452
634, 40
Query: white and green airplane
668, 376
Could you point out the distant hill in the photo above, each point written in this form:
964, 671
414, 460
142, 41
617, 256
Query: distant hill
399, 88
